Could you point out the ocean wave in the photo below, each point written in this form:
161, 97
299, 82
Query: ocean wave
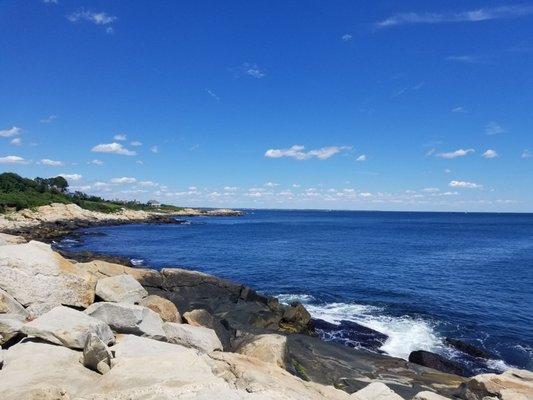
288, 298
137, 261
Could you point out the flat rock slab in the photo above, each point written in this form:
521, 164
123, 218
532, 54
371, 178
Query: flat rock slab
10, 239
10, 326
120, 289
376, 391
197, 337
270, 348
514, 384
129, 318
34, 275
67, 327
8, 305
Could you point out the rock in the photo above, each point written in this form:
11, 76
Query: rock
198, 337
120, 289
34, 275
426, 395
67, 327
165, 308
202, 317
10, 326
32, 368
95, 353
129, 318
468, 348
10, 239
146, 276
8, 305
351, 333
296, 318
514, 384
376, 391
103, 268
435, 361
270, 348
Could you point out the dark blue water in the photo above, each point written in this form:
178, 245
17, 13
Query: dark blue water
417, 277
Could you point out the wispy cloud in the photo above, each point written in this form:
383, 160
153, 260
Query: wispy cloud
477, 15
96, 162
253, 70
298, 152
48, 120
490, 154
455, 154
459, 109
123, 180
51, 163
120, 137
404, 90
154, 149
115, 148
361, 158
72, 177
10, 132
13, 160
464, 185
494, 128
16, 141
347, 37
212, 94
527, 153
469, 59
136, 143
97, 18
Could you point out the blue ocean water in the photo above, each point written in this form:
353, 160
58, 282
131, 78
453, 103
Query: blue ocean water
416, 277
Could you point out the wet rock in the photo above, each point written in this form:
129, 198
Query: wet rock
514, 384
197, 337
468, 348
67, 327
351, 334
376, 391
270, 348
436, 361
165, 308
120, 289
96, 354
295, 318
10, 326
128, 318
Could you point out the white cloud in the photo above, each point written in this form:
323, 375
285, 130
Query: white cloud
527, 153
458, 109
481, 14
13, 160
148, 183
431, 190
123, 180
253, 70
115, 148
100, 18
120, 137
455, 154
271, 184
230, 188
16, 141
347, 37
51, 163
361, 158
96, 162
49, 1
494, 128
10, 132
212, 94
464, 185
365, 194
136, 143
469, 59
490, 154
154, 149
71, 177
447, 171
298, 152
48, 120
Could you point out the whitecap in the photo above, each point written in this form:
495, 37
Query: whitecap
137, 261
288, 298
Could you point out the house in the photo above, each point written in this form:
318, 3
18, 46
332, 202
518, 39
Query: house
154, 203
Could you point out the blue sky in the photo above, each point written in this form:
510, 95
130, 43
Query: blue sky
412, 105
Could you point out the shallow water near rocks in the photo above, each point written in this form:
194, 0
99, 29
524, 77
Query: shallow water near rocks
416, 277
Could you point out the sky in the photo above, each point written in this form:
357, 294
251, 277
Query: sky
367, 105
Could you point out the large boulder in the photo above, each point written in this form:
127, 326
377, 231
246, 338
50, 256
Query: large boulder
202, 317
10, 326
197, 337
467, 348
8, 305
96, 354
165, 308
67, 327
376, 391
295, 318
10, 239
32, 368
129, 318
270, 348
426, 395
35, 275
436, 361
120, 289
514, 384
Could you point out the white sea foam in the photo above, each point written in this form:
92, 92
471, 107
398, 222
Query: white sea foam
405, 334
498, 365
137, 261
288, 298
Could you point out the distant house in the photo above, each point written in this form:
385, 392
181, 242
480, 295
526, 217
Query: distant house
154, 203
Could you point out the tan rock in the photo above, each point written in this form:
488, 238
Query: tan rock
376, 391
197, 337
8, 305
34, 275
165, 308
270, 348
10, 326
426, 395
103, 268
120, 289
514, 384
10, 239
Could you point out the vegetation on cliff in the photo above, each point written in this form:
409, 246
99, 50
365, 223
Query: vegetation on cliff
18, 193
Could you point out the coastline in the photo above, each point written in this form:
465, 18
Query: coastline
239, 316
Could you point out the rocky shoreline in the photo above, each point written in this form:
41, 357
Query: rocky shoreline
101, 330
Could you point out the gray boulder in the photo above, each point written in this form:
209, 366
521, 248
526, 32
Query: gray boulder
10, 326
96, 354
67, 327
120, 289
129, 318
197, 337
8, 305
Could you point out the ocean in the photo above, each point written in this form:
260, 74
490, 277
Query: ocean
418, 278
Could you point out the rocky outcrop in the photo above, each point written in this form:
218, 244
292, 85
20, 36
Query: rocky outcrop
197, 337
96, 354
270, 348
467, 348
120, 289
435, 361
8, 305
376, 391
165, 308
40, 279
10, 326
67, 327
513, 384
128, 318
10, 239
204, 318
425, 395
